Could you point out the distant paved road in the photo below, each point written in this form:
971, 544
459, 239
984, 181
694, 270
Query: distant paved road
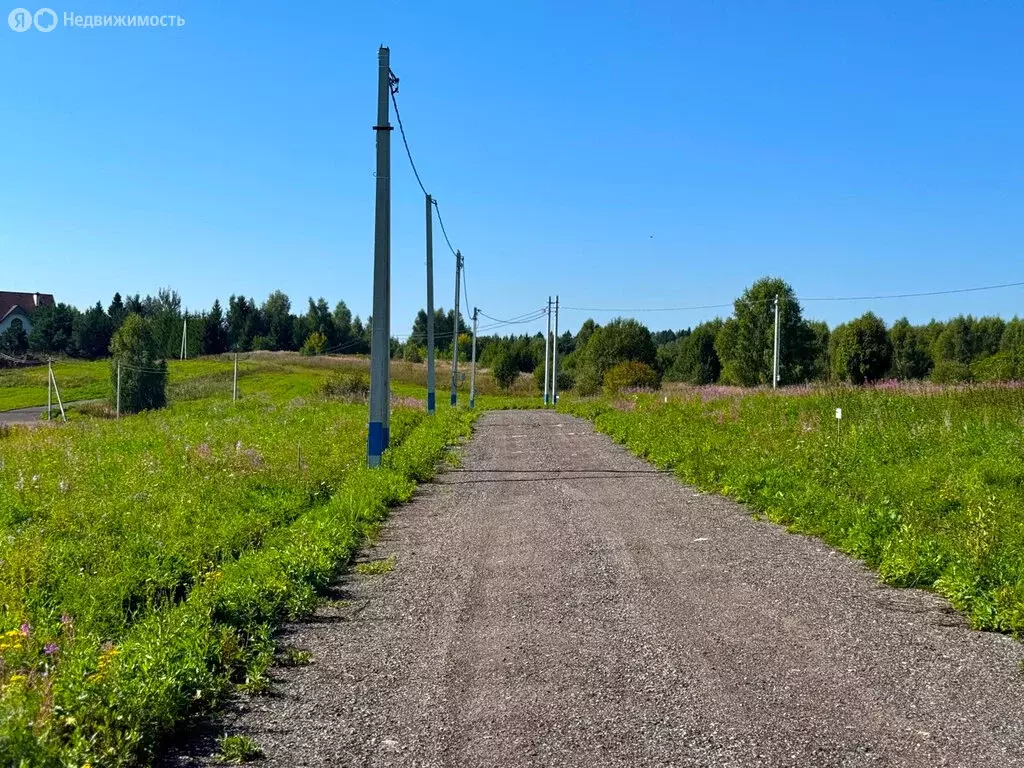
556, 602
34, 415
24, 415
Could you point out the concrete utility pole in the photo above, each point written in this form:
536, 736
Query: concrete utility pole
775, 355
431, 393
472, 370
547, 353
380, 343
184, 337
455, 338
554, 360
118, 406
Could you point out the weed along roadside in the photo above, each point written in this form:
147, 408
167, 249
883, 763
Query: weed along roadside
147, 562
924, 487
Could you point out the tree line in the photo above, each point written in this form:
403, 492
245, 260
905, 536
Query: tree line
63, 330
738, 350
734, 350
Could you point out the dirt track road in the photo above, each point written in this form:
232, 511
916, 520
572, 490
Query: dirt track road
557, 602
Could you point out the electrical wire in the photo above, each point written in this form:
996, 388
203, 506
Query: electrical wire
809, 299
444, 232
401, 130
527, 317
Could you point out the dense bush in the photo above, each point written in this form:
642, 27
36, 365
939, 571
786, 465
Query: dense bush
565, 379
315, 344
697, 361
860, 350
143, 379
504, 366
347, 385
950, 372
630, 375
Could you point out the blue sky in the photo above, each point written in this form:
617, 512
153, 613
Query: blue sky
618, 154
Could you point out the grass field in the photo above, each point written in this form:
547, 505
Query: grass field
145, 563
926, 486
259, 374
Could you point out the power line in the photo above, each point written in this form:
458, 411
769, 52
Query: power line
809, 299
401, 129
916, 295
526, 317
440, 221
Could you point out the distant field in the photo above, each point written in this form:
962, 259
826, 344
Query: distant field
925, 484
260, 373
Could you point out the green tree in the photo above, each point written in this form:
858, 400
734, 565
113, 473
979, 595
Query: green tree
116, 312
697, 361
860, 350
143, 378
215, 331
166, 321
986, 335
505, 365
243, 323
14, 341
315, 344
585, 332
53, 330
92, 331
343, 322
749, 351
320, 319
910, 358
1012, 345
819, 335
277, 321
955, 343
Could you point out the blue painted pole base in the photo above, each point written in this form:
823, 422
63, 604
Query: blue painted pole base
376, 442
431, 402
453, 398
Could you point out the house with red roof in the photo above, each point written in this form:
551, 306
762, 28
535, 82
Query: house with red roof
20, 306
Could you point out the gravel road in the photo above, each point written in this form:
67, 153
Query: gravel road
558, 602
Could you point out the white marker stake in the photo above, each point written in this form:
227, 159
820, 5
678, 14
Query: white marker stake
839, 418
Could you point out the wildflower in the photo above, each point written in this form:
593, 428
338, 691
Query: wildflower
50, 649
17, 679
66, 620
26, 630
63, 486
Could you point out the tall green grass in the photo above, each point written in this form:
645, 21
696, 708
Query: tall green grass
927, 488
145, 563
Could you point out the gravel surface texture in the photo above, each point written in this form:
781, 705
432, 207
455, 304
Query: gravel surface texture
558, 602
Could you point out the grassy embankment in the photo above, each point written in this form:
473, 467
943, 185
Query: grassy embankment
926, 487
145, 563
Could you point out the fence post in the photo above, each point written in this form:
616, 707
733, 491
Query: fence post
49, 389
234, 381
118, 413
56, 391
